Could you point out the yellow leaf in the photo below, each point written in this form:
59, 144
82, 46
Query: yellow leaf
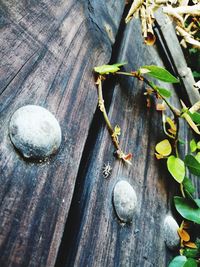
172, 131
164, 148
158, 156
117, 130
160, 107
171, 124
149, 91
183, 235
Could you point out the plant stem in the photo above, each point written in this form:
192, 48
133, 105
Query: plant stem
174, 110
182, 190
120, 154
102, 106
105, 115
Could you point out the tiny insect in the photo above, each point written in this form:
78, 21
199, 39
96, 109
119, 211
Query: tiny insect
107, 169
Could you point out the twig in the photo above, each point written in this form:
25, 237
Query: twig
120, 153
192, 10
187, 37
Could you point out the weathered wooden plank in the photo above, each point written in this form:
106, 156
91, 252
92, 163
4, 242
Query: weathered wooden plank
94, 236
48, 50
176, 56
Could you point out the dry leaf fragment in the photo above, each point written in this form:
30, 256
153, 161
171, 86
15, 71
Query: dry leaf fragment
160, 107
190, 244
183, 235
134, 7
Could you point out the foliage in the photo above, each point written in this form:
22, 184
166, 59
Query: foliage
168, 149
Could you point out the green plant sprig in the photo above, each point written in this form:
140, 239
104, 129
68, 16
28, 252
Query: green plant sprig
186, 205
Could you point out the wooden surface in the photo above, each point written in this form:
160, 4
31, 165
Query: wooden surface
48, 51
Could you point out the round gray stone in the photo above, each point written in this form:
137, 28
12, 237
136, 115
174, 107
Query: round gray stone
125, 200
171, 236
35, 132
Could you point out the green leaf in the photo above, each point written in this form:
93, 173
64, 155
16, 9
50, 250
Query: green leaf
164, 92
177, 168
191, 199
187, 184
197, 201
187, 209
190, 263
106, 69
178, 261
164, 148
160, 74
193, 145
191, 252
194, 202
197, 157
195, 117
196, 74
193, 165
198, 145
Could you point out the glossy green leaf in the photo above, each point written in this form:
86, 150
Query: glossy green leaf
197, 201
160, 74
198, 145
178, 261
197, 157
190, 197
193, 165
191, 252
187, 184
177, 168
106, 69
190, 263
164, 92
195, 117
194, 202
187, 209
193, 145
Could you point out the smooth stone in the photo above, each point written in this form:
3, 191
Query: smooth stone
35, 132
171, 236
125, 201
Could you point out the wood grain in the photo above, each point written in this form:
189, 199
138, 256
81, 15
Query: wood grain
48, 50
93, 235
168, 38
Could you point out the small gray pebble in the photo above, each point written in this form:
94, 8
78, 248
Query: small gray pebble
35, 132
171, 236
125, 201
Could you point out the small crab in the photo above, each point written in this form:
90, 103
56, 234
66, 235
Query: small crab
107, 169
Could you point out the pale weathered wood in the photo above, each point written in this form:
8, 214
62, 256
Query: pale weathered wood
176, 56
48, 50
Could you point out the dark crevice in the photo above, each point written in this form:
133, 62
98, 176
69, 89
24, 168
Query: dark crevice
169, 63
69, 243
